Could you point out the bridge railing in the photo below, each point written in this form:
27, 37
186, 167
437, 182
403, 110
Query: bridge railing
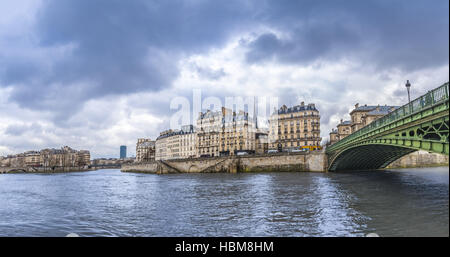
431, 98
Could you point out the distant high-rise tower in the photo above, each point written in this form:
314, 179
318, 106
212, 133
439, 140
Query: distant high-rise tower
255, 113
123, 151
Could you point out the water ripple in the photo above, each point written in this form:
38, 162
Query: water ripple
111, 203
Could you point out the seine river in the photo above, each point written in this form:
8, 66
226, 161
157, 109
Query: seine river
411, 202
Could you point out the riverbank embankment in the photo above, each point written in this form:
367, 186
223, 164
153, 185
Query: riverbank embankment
284, 162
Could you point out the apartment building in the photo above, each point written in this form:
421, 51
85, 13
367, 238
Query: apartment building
176, 144
293, 127
145, 150
225, 133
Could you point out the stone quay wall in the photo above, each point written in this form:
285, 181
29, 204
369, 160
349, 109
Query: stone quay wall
150, 167
309, 162
420, 159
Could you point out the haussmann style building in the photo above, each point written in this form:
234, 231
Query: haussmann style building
145, 150
225, 133
294, 127
176, 144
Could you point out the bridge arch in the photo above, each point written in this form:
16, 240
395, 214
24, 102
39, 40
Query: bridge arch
367, 157
16, 170
194, 168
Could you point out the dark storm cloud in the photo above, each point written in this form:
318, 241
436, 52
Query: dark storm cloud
408, 35
306, 45
114, 47
20, 129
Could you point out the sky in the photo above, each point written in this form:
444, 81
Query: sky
97, 74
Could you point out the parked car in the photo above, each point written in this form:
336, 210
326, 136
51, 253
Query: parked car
272, 151
241, 153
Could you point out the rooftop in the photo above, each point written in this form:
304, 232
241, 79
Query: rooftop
169, 133
374, 109
147, 144
297, 108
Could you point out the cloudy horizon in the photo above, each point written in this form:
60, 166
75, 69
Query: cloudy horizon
99, 74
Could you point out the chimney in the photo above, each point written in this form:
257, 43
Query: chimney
342, 121
356, 105
302, 104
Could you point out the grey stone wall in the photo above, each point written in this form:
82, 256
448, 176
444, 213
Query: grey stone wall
420, 159
315, 162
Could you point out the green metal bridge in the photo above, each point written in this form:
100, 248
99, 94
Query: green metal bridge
419, 125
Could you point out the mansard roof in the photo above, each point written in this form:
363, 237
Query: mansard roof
298, 108
346, 122
372, 109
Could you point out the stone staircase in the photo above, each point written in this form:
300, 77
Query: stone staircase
212, 168
164, 167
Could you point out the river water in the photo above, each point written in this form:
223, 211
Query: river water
406, 202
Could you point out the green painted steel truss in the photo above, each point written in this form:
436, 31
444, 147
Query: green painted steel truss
422, 124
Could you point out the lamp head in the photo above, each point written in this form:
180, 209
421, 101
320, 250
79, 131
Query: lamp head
408, 85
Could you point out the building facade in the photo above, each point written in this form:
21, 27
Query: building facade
84, 158
32, 158
333, 137
64, 157
176, 144
361, 116
188, 142
123, 151
261, 142
209, 126
224, 133
344, 128
145, 150
293, 127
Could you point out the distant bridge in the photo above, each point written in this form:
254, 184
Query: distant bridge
16, 169
422, 124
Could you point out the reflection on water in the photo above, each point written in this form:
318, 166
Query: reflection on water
412, 202
334, 215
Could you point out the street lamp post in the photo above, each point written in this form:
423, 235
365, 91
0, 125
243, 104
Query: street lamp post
408, 86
